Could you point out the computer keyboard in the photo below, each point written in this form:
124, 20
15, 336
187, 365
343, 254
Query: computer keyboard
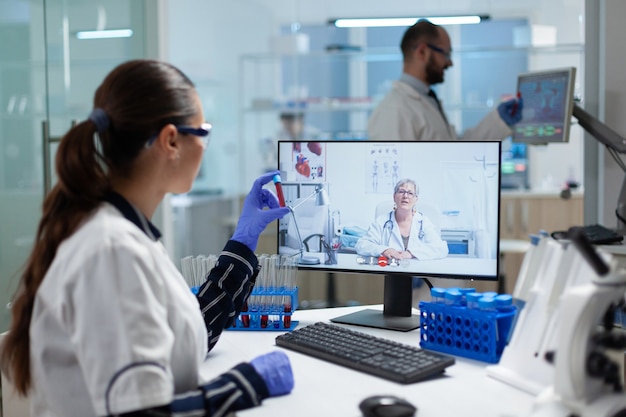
600, 235
366, 353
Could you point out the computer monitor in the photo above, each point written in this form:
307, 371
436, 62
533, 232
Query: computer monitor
342, 198
548, 104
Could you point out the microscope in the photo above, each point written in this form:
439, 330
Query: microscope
587, 380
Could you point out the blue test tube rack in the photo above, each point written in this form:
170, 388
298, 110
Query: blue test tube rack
463, 331
266, 318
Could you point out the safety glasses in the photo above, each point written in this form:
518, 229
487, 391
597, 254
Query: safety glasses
203, 132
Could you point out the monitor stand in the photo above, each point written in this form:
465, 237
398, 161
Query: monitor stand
397, 309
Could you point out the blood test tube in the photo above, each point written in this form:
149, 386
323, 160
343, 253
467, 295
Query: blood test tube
279, 190
287, 318
245, 318
515, 105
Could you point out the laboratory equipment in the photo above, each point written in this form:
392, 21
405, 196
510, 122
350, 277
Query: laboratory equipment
615, 145
548, 98
597, 234
547, 271
587, 381
321, 199
373, 355
453, 177
548, 109
278, 183
273, 299
478, 331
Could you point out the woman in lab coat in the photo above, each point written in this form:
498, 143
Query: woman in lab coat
403, 233
103, 322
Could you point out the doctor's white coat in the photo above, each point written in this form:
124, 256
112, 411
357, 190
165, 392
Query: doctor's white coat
404, 114
430, 246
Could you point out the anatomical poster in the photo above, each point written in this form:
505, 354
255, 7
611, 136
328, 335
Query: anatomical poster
383, 168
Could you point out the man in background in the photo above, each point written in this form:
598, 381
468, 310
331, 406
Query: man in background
411, 110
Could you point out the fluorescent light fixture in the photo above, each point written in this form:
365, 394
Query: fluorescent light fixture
406, 21
104, 34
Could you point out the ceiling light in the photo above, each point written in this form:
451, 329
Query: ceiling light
104, 34
406, 21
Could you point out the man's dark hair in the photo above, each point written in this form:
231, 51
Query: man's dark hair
422, 31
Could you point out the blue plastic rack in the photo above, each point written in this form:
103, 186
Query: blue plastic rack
459, 330
268, 319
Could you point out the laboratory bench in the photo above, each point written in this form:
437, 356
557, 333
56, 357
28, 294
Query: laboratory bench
326, 389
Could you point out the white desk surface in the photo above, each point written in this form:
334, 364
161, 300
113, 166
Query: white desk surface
450, 265
325, 389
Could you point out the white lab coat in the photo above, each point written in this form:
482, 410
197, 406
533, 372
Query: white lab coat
404, 114
430, 246
115, 322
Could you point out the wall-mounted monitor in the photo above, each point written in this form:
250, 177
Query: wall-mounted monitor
351, 201
548, 104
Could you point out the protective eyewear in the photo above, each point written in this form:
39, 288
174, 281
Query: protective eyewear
203, 132
447, 55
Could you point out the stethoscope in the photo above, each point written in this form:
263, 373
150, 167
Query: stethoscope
388, 228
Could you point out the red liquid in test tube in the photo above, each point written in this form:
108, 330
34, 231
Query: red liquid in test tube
245, 318
514, 110
287, 319
279, 190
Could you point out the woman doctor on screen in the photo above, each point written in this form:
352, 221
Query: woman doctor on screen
403, 233
103, 322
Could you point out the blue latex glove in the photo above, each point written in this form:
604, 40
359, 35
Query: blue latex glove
275, 370
254, 219
511, 111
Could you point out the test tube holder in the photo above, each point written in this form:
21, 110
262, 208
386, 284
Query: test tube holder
268, 319
463, 331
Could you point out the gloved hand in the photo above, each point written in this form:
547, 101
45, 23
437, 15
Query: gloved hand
275, 370
511, 111
254, 219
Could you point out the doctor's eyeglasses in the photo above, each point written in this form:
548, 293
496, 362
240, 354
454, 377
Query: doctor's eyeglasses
407, 193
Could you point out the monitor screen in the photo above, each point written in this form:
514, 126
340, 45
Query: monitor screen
548, 104
399, 209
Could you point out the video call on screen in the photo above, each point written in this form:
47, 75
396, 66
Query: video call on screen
458, 191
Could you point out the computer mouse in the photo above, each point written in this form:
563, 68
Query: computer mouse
387, 406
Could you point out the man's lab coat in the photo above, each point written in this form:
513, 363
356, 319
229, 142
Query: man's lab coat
430, 246
405, 114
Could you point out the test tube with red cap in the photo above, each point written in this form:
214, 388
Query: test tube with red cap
516, 105
279, 189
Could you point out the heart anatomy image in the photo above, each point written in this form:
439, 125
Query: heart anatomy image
309, 159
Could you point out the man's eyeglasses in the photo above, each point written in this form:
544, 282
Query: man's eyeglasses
407, 193
203, 131
447, 55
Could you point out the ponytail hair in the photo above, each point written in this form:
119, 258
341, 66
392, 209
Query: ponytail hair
133, 103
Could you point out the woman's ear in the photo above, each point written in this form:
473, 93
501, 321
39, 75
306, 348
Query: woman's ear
167, 140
